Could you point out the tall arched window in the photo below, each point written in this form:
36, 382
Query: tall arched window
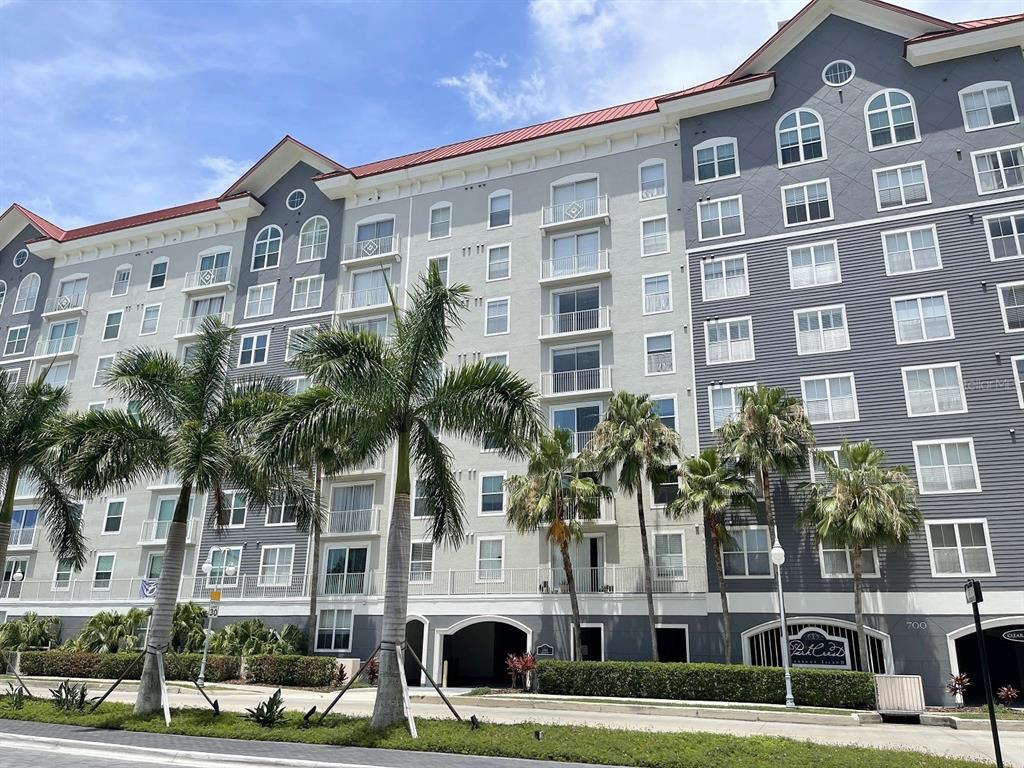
266, 249
890, 119
313, 239
800, 137
28, 292
3, 293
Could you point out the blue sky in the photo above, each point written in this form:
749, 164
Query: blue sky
113, 108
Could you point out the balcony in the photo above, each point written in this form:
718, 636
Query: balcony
191, 326
22, 538
369, 298
343, 522
580, 324
569, 383
64, 346
65, 306
370, 251
581, 441
208, 281
167, 481
566, 215
155, 531
367, 467
565, 269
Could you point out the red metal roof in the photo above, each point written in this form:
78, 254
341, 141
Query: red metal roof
143, 218
968, 26
37, 221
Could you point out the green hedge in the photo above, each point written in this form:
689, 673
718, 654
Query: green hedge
110, 665
306, 671
706, 682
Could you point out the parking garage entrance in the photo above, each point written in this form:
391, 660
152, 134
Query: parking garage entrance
475, 654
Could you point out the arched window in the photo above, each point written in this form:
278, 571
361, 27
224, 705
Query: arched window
890, 119
800, 137
313, 239
3, 294
266, 249
28, 292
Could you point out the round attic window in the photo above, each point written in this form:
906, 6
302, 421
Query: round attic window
838, 73
20, 258
295, 199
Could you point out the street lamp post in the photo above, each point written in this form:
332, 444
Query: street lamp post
778, 555
229, 570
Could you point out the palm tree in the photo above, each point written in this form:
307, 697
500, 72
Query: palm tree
711, 486
110, 631
770, 435
30, 417
859, 505
372, 393
556, 495
191, 418
633, 438
29, 632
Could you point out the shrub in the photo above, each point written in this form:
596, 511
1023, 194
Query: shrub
69, 697
372, 671
252, 638
109, 632
1007, 695
30, 631
307, 671
15, 696
957, 685
267, 713
112, 665
706, 682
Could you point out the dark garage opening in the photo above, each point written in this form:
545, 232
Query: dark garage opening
672, 644
476, 654
1005, 661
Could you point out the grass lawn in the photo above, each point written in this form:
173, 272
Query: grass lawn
560, 743
980, 713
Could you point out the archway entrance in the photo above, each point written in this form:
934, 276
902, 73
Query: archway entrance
1004, 646
475, 651
415, 639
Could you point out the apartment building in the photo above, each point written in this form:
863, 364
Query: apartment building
842, 215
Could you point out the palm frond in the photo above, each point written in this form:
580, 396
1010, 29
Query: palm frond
61, 514
437, 486
150, 378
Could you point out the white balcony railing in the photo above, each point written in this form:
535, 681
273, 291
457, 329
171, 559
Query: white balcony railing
344, 521
580, 321
63, 345
167, 479
190, 326
370, 249
575, 210
74, 302
582, 440
573, 265
155, 531
368, 298
207, 278
23, 537
571, 382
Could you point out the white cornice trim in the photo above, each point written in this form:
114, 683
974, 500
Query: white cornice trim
715, 100
982, 40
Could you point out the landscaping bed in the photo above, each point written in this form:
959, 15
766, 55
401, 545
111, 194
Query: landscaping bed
978, 713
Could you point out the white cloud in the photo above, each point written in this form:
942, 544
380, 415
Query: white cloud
222, 173
493, 99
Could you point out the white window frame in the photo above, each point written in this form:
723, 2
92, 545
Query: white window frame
670, 532
747, 574
289, 353
1018, 376
1002, 305
270, 229
24, 342
955, 522
142, 322
778, 142
120, 519
127, 283
448, 264
288, 199
719, 200
241, 339
734, 388
106, 325
480, 494
95, 566
703, 278
25, 283
3, 293
1018, 234
916, 444
232, 495
222, 579
430, 217
919, 296
875, 172
847, 62
675, 406
807, 205
985, 86
260, 580
432, 559
499, 193
643, 292
96, 371
654, 161
261, 288
312, 247
276, 504
930, 367
849, 562
672, 337
826, 377
908, 231
508, 315
892, 131
153, 265
56, 571
832, 450
22, 257
804, 310
334, 628
11, 374
713, 144
487, 264
789, 261
1002, 169
707, 341
479, 542
308, 279
643, 238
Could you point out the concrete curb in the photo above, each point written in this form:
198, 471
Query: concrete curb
971, 723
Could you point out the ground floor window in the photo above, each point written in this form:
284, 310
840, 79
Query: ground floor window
334, 630
673, 644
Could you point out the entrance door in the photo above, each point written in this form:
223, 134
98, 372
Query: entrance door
587, 558
414, 641
593, 644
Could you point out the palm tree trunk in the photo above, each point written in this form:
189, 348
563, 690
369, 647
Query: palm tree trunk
6, 513
769, 504
716, 554
858, 608
648, 583
161, 625
570, 581
389, 707
314, 575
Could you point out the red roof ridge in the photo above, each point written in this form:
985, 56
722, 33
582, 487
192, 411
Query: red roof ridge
48, 228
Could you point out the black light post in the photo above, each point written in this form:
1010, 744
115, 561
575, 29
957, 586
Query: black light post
972, 590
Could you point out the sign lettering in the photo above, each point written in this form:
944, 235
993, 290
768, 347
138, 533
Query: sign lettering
1014, 635
811, 647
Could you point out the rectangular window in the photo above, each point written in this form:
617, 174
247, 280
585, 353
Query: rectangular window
276, 566
334, 630
745, 553
1018, 375
17, 340
946, 466
259, 301
442, 267
307, 293
492, 494
419, 505
1005, 233
496, 322
830, 399
724, 402
720, 218
440, 222
654, 236
960, 548
988, 105
158, 275
499, 262
814, 264
922, 318
499, 210
294, 341
837, 561
104, 572
804, 203
715, 159
23, 527
659, 354
150, 320
154, 566
657, 293
121, 279
220, 560
665, 408
252, 349
817, 464
235, 505
932, 390
729, 341
58, 375
281, 512
822, 329
999, 169
62, 576
421, 566
296, 385
112, 326
490, 559
11, 375
911, 250
669, 560
901, 186
652, 181
724, 278
115, 513
1011, 302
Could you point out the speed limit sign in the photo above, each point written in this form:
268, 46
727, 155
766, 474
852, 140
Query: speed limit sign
213, 610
